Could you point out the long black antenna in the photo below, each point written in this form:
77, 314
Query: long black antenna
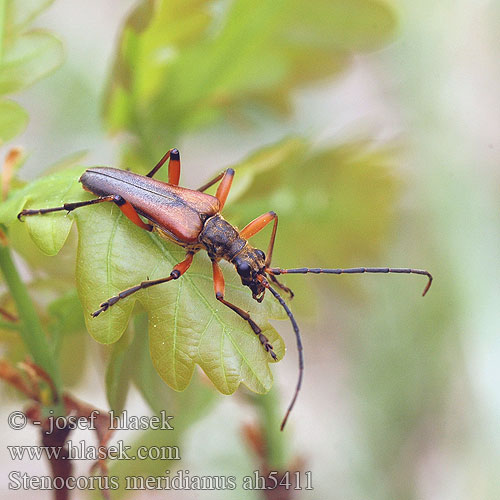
354, 270
299, 349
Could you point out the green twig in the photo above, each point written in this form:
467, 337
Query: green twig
30, 328
270, 419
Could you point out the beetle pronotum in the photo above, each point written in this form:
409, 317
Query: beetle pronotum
193, 220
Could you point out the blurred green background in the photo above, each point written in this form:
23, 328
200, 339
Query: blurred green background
381, 123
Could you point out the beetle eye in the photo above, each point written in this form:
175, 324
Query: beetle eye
260, 254
243, 269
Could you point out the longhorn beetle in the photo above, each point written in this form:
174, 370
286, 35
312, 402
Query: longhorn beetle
193, 220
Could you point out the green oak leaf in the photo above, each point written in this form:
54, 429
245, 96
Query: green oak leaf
187, 325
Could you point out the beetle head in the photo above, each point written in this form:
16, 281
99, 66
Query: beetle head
249, 264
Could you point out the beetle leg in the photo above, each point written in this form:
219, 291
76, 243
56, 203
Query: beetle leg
127, 209
212, 182
253, 228
174, 166
257, 225
176, 273
130, 212
281, 285
67, 206
224, 187
219, 287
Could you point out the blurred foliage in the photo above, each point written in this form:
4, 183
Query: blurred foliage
25, 57
336, 201
183, 65
13, 120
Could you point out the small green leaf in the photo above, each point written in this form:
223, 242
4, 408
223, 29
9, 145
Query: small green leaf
13, 120
61, 269
27, 59
49, 232
67, 330
73, 358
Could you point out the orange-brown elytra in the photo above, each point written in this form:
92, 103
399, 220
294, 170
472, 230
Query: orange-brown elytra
193, 220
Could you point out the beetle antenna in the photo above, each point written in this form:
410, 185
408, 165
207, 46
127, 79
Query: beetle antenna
299, 349
355, 270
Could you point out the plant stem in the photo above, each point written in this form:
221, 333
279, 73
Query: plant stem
30, 328
270, 418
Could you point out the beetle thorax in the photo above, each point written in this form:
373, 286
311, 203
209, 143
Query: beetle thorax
221, 239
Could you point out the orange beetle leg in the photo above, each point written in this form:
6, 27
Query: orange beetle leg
253, 228
174, 166
129, 211
224, 187
257, 225
219, 294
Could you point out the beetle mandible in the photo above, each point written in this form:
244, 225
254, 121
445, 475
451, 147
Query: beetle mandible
193, 220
